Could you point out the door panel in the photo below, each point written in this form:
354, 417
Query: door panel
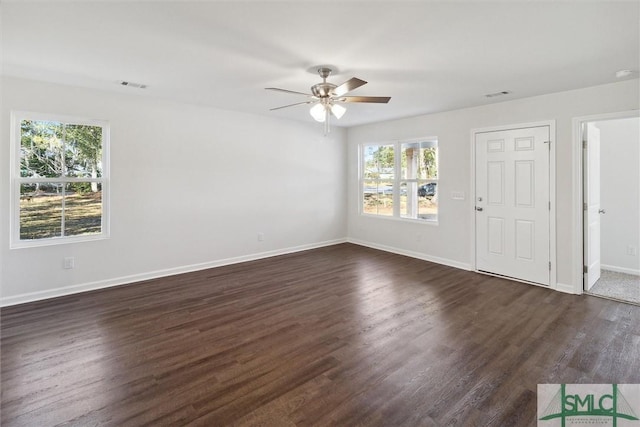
512, 200
495, 183
524, 240
496, 235
525, 180
592, 200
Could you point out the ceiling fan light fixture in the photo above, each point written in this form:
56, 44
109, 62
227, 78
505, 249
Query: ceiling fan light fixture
318, 113
338, 110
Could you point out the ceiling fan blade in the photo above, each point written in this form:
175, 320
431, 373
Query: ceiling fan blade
376, 99
291, 105
287, 91
348, 86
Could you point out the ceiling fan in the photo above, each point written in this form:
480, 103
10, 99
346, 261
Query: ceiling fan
327, 97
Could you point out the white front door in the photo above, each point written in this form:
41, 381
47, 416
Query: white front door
512, 203
592, 204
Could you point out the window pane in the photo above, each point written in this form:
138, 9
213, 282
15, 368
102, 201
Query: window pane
418, 200
83, 151
378, 198
40, 211
41, 149
419, 160
378, 162
83, 209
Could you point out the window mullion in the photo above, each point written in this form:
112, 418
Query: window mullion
397, 156
63, 172
62, 217
24, 180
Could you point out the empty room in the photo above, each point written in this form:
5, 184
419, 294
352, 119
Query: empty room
357, 213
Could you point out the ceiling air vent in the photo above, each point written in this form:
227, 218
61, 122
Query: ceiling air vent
132, 84
623, 73
493, 95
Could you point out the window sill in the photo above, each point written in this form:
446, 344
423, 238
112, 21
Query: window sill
55, 241
402, 219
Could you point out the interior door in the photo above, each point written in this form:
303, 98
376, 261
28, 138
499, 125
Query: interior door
591, 162
512, 203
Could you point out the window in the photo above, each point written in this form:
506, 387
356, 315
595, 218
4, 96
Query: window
400, 179
60, 179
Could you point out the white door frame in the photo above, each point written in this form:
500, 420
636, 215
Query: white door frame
577, 188
552, 192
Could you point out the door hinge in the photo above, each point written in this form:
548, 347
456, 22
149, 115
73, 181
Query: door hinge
549, 265
549, 205
584, 143
585, 269
584, 206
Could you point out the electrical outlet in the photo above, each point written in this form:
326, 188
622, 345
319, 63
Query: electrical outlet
260, 237
69, 262
632, 250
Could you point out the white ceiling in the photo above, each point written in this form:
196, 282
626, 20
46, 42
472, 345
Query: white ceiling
428, 56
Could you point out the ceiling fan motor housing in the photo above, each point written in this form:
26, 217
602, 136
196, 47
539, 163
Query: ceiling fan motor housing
323, 90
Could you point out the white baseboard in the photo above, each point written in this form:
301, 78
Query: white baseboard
620, 269
567, 289
125, 280
561, 287
412, 254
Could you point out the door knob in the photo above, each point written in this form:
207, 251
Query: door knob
478, 208
602, 211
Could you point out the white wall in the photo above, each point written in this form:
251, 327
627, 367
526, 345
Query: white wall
450, 241
620, 193
190, 187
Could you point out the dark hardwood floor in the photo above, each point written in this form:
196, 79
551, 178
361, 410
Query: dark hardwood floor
343, 335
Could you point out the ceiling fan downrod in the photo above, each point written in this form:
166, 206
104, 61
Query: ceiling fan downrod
324, 89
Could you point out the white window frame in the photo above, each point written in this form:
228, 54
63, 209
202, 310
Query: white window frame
16, 180
397, 178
